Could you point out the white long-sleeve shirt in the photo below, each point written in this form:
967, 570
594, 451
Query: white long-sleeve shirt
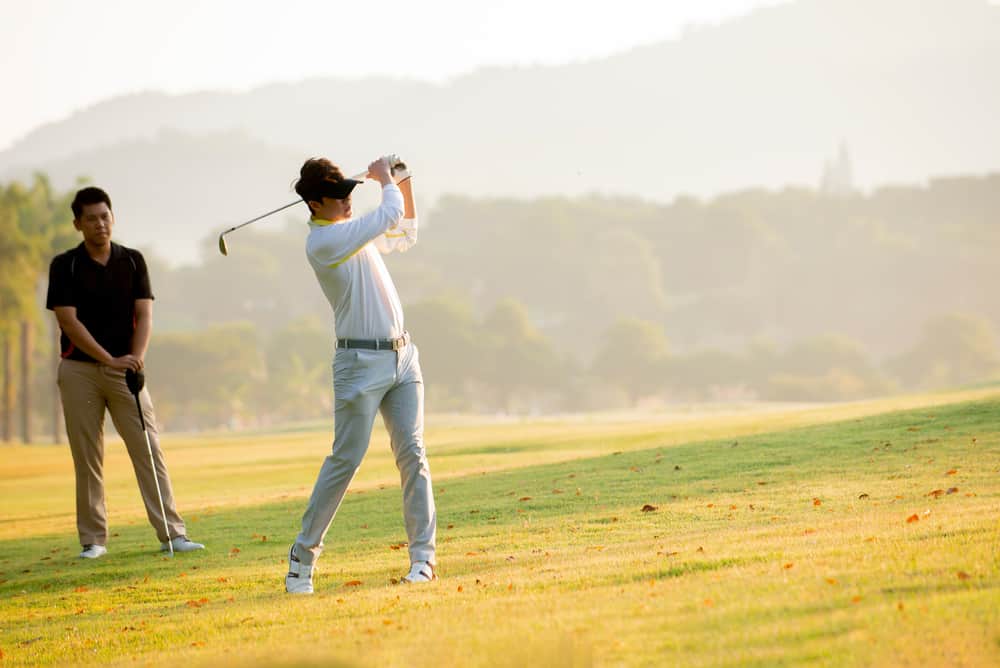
345, 257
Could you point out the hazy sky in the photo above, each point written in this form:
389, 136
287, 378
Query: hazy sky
61, 55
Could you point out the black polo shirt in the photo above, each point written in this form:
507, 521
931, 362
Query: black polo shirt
104, 296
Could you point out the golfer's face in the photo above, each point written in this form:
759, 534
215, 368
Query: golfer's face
334, 209
95, 221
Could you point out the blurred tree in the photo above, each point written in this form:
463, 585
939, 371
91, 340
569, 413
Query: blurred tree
451, 344
42, 222
517, 362
953, 349
299, 377
632, 356
17, 274
206, 378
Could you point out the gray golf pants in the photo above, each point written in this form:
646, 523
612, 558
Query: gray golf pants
366, 381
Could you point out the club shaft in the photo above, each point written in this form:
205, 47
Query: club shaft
357, 177
269, 213
156, 478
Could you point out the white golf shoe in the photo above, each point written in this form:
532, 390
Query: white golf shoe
93, 551
181, 544
420, 572
300, 576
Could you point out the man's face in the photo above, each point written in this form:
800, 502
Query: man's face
333, 209
95, 221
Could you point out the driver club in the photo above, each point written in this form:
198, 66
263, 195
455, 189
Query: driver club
135, 381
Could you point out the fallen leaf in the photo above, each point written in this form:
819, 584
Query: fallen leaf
831, 581
709, 602
913, 518
353, 583
459, 588
648, 508
899, 606
233, 552
936, 493
222, 580
817, 502
451, 526
471, 554
788, 565
80, 590
952, 490
855, 599
808, 531
962, 575
951, 472
870, 539
197, 643
197, 604
525, 498
700, 549
557, 491
710, 505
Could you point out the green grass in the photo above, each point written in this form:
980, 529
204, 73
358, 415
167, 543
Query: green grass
778, 538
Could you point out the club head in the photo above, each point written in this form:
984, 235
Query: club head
222, 245
135, 381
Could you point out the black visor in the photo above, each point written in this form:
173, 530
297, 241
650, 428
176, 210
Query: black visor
336, 189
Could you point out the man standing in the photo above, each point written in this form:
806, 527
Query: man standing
375, 365
101, 296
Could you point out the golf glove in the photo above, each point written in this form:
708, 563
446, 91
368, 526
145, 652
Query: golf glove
397, 168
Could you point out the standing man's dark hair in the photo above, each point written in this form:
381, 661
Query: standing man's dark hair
88, 195
101, 295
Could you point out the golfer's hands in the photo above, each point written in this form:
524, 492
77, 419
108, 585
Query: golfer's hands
380, 171
126, 362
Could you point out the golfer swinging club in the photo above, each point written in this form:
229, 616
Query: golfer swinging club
375, 366
102, 299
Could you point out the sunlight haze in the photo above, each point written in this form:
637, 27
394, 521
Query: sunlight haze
71, 55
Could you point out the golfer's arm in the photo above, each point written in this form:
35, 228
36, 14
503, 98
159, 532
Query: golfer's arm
143, 327
80, 335
334, 244
409, 208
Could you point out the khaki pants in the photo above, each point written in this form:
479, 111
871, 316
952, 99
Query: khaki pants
87, 389
367, 382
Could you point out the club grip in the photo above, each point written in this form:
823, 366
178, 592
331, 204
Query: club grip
135, 381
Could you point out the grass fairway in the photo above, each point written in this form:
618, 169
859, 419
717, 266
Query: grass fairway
858, 534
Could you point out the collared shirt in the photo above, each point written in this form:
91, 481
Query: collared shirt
345, 258
104, 296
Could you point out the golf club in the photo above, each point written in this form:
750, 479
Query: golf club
222, 237
135, 381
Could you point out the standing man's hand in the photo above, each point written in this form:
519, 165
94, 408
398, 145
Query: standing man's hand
126, 362
380, 171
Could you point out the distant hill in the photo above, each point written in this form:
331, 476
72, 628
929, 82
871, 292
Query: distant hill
761, 100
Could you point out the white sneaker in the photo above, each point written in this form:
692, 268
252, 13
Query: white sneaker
420, 571
300, 576
181, 544
93, 551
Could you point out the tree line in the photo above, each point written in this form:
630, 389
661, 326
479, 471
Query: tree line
559, 304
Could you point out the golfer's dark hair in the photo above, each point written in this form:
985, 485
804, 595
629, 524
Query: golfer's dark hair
88, 195
311, 177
